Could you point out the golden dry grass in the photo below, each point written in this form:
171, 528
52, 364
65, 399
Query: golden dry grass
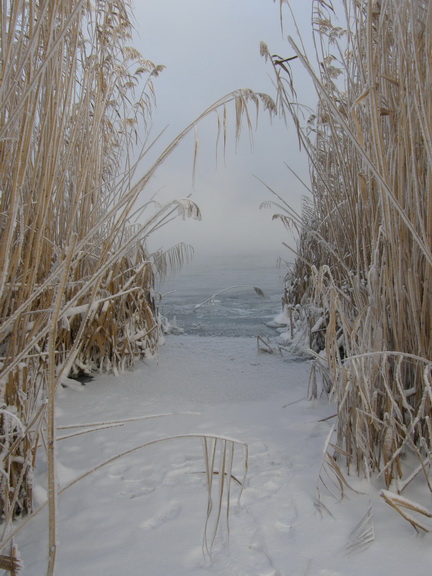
365, 250
76, 280
64, 208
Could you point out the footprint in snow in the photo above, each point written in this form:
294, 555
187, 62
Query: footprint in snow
134, 491
167, 514
285, 522
263, 485
255, 563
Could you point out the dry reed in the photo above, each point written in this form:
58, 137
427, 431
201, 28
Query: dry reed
365, 251
62, 135
76, 280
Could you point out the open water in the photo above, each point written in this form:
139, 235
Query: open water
238, 310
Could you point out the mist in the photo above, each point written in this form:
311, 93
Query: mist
210, 49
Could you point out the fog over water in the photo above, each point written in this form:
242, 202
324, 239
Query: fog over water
211, 49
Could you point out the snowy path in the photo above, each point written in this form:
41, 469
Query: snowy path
145, 513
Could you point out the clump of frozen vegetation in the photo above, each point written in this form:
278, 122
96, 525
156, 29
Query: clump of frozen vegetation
364, 259
76, 279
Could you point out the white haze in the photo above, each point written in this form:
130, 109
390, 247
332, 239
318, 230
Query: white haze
210, 49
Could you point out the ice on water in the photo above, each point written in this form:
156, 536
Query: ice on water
238, 310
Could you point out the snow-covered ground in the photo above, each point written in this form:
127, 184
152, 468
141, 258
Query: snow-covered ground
145, 513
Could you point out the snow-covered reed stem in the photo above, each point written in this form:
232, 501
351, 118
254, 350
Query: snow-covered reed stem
63, 131
366, 241
76, 279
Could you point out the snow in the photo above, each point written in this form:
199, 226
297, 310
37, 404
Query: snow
145, 513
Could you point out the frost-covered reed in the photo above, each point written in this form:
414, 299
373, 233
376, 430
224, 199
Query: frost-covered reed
76, 280
71, 268
365, 249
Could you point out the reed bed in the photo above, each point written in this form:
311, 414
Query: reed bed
77, 283
65, 267
364, 259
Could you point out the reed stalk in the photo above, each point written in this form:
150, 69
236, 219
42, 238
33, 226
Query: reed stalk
365, 250
77, 283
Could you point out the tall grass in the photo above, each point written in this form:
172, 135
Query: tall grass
65, 264
76, 280
365, 250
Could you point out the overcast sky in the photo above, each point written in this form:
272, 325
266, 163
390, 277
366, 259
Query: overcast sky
210, 48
